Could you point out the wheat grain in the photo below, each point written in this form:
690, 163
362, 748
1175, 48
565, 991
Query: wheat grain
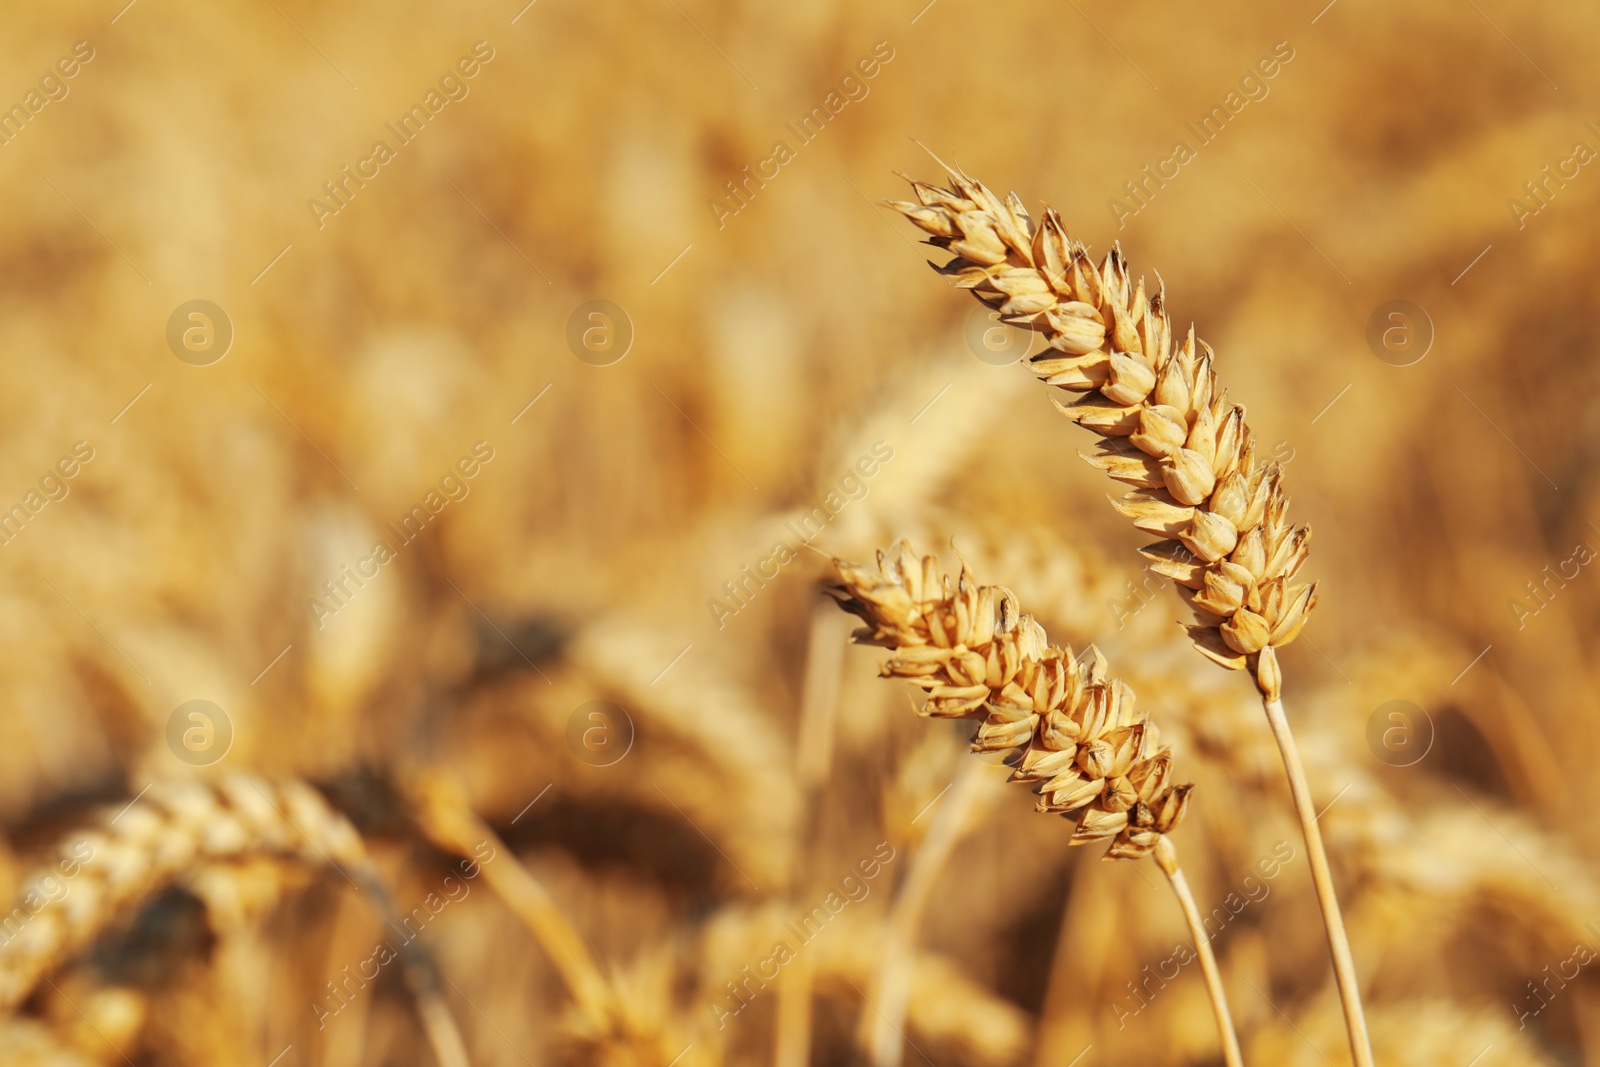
1064, 723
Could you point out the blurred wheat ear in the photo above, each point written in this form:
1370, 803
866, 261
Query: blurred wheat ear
1167, 431
1063, 723
176, 830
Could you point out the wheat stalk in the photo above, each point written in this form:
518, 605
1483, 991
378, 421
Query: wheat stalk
447, 820
624, 1019
881, 1030
1229, 545
178, 828
1063, 722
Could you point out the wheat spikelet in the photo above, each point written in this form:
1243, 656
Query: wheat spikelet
1168, 431
172, 827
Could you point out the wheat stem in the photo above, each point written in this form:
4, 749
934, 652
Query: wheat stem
819, 700
443, 1036
1344, 968
451, 824
1166, 857
886, 1025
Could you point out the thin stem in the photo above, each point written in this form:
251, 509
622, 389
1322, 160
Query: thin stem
1166, 857
448, 1048
446, 819
819, 702
884, 1023
1344, 968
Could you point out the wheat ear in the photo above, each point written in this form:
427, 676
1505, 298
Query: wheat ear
1064, 723
1230, 548
168, 832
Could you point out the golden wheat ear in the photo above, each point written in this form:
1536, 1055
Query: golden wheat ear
175, 829
1063, 722
1168, 432
1171, 434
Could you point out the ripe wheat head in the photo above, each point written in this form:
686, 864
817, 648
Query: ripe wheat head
977, 657
1167, 430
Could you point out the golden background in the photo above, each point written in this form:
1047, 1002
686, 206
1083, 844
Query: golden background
771, 348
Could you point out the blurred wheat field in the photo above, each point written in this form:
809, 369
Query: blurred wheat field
506, 461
